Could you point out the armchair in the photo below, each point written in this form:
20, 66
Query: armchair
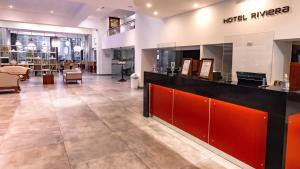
9, 81
16, 70
72, 75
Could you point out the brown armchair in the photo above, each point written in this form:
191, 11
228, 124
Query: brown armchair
9, 81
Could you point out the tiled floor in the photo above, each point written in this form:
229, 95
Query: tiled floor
96, 125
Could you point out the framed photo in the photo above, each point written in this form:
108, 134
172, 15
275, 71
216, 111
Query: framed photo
206, 69
114, 22
186, 67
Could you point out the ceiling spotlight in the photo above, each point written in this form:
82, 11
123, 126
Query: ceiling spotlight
196, 5
11, 6
155, 13
149, 5
52, 12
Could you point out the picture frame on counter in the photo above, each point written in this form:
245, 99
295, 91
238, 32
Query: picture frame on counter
186, 67
206, 69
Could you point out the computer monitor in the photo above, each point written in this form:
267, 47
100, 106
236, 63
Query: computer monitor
252, 79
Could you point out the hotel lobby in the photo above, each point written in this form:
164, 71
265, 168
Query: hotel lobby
149, 84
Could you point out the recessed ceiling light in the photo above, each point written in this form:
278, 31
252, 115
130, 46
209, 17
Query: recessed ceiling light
52, 12
155, 13
149, 5
11, 6
196, 5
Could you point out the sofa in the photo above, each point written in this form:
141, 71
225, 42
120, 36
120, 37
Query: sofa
21, 71
72, 75
9, 82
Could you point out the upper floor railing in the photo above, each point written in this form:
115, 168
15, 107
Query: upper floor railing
127, 26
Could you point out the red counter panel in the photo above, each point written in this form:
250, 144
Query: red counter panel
240, 132
293, 143
191, 114
161, 102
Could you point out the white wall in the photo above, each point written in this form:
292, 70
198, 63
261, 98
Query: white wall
124, 39
105, 62
205, 26
282, 59
216, 53
252, 53
98, 35
148, 35
105, 43
149, 58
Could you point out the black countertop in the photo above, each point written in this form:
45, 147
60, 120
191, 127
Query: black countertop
253, 97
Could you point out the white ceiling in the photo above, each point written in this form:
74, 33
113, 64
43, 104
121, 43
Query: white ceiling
168, 8
65, 12
87, 13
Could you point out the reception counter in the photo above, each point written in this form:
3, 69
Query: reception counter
248, 123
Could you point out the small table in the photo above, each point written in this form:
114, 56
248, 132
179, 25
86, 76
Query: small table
48, 79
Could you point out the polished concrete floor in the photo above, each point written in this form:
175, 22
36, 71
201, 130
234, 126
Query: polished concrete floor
96, 125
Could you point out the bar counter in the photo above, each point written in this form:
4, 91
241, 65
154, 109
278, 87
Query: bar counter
248, 123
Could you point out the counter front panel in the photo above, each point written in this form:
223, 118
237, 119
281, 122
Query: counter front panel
162, 102
240, 132
191, 114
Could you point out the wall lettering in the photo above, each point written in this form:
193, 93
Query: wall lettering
258, 15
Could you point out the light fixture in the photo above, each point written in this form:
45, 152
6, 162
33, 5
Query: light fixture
44, 44
55, 42
31, 45
66, 50
52, 12
18, 43
149, 5
155, 13
11, 6
196, 5
68, 43
77, 48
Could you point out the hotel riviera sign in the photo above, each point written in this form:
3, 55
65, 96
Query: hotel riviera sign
257, 15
